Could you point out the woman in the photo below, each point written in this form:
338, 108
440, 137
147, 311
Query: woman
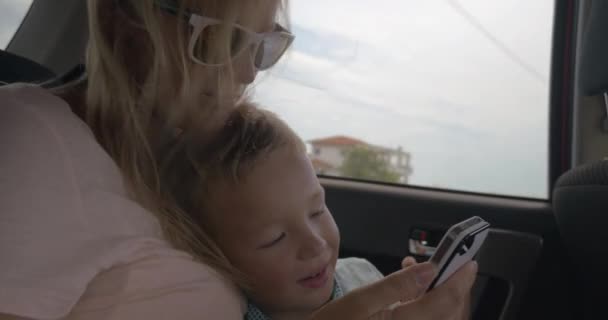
87, 231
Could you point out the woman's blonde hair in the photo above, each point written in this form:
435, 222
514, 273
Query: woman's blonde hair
138, 82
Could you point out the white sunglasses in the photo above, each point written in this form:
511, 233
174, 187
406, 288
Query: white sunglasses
267, 47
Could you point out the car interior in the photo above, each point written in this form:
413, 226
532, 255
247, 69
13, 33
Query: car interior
542, 258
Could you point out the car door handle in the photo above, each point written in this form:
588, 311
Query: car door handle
421, 248
419, 243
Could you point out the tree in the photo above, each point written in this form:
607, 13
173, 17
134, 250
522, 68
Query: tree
364, 163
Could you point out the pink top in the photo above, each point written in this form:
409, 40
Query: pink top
72, 244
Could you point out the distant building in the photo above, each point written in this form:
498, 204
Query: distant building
327, 155
322, 167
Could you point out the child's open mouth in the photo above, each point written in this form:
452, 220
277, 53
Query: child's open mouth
317, 280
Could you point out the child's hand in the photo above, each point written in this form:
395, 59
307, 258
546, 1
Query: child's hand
408, 262
405, 263
411, 261
449, 301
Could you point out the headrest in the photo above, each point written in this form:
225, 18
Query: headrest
593, 174
14, 68
580, 204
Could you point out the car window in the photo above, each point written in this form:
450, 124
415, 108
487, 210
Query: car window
12, 13
449, 94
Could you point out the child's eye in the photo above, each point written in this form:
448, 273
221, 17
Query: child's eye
273, 242
318, 213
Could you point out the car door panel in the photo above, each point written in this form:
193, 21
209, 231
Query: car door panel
376, 222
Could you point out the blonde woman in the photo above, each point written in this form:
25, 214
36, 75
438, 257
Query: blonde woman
86, 229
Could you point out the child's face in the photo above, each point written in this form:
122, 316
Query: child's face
275, 227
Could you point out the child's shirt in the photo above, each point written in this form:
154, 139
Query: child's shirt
350, 274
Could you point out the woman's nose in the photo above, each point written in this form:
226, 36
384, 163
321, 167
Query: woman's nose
244, 67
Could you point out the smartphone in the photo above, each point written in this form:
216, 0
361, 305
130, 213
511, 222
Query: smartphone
458, 246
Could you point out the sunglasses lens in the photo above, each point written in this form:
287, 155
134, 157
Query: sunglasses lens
271, 49
218, 43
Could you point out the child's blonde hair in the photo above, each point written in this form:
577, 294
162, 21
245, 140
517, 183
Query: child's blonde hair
196, 170
137, 67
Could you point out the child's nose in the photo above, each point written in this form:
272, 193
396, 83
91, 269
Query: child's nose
312, 246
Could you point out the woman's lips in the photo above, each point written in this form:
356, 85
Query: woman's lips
317, 280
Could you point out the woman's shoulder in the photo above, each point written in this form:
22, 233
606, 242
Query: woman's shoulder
74, 241
21, 101
51, 156
66, 215
36, 137
33, 120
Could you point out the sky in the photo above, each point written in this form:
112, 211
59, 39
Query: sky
460, 84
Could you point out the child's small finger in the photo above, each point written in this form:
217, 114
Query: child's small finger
408, 262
